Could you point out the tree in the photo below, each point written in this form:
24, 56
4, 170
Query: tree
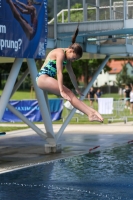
87, 68
123, 78
75, 16
83, 67
4, 69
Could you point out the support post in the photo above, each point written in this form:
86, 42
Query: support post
20, 81
82, 98
46, 98
27, 121
42, 102
9, 85
95, 76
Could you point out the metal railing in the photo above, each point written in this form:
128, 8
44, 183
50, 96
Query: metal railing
91, 12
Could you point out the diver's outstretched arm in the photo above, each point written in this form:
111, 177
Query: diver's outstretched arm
73, 77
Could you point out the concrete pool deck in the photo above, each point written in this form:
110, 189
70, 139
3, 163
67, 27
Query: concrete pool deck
23, 148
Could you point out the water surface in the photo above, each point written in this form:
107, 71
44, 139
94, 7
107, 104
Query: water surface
101, 175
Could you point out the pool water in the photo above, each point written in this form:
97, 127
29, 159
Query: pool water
100, 175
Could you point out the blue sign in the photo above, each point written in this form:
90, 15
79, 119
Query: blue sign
23, 28
30, 109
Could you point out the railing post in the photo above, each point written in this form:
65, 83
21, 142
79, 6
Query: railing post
97, 10
68, 1
114, 10
63, 16
110, 9
127, 10
84, 10
124, 12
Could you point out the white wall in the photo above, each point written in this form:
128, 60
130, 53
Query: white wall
110, 79
105, 78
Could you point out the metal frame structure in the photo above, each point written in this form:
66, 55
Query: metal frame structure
60, 36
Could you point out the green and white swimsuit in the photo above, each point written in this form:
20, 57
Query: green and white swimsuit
49, 68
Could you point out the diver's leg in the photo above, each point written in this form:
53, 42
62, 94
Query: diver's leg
50, 84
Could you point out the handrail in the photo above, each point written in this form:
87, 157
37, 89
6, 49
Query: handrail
114, 6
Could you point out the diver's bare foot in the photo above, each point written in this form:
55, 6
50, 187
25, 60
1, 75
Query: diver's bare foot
95, 116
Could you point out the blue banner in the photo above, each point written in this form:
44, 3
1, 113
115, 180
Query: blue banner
23, 28
30, 109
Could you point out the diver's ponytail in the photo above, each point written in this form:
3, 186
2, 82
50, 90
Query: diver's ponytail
75, 46
75, 35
